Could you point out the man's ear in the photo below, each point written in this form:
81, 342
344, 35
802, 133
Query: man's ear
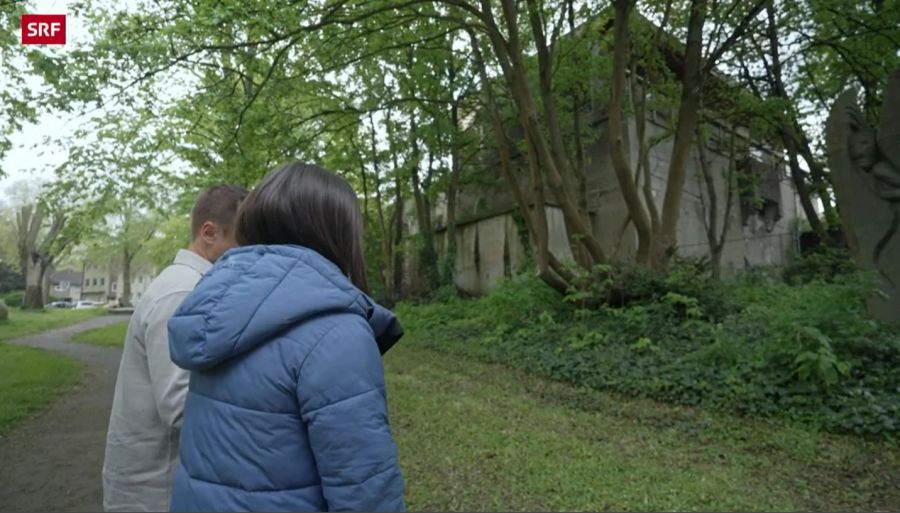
208, 232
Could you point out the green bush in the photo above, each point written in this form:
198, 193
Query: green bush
823, 263
14, 299
518, 299
689, 283
444, 294
805, 352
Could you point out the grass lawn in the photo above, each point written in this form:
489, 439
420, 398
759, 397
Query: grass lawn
24, 322
111, 335
475, 437
29, 379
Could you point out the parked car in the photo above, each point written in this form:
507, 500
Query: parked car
65, 303
81, 305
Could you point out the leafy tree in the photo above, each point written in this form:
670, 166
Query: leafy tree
411, 99
122, 236
17, 105
808, 54
42, 238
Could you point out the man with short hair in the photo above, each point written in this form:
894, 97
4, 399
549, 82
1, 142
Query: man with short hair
145, 422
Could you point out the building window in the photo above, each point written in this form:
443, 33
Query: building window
94, 283
102, 281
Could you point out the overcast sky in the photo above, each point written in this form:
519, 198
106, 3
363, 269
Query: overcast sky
29, 158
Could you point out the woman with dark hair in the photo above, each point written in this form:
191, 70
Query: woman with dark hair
286, 409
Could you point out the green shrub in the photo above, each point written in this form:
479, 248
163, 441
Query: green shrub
689, 281
444, 294
522, 298
805, 352
823, 263
14, 299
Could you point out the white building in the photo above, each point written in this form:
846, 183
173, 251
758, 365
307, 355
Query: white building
103, 281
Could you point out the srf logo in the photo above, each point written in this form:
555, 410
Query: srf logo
43, 29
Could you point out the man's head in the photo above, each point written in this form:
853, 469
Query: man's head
212, 220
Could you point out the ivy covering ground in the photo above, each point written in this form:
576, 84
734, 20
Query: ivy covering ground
804, 351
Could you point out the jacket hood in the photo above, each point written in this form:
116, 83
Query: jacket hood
254, 293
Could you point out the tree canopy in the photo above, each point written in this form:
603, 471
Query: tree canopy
412, 100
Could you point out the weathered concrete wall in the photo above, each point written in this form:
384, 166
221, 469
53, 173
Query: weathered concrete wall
489, 245
490, 249
746, 245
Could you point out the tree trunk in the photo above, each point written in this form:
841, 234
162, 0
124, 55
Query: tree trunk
639, 100
571, 178
798, 176
385, 237
83, 283
364, 182
714, 237
794, 140
710, 206
36, 258
28, 223
617, 129
691, 89
45, 286
511, 60
34, 280
428, 261
125, 297
395, 230
578, 133
819, 177
453, 191
398, 237
535, 220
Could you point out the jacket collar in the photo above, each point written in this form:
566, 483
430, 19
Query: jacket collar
192, 260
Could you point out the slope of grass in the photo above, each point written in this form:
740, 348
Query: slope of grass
111, 335
29, 379
475, 436
25, 322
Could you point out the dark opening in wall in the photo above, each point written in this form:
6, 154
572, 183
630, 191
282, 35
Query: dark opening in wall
507, 266
477, 256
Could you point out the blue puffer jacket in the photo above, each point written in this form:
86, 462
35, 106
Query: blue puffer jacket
286, 408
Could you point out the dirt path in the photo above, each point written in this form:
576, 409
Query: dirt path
52, 460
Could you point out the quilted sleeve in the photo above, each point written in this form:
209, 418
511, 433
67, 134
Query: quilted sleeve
343, 404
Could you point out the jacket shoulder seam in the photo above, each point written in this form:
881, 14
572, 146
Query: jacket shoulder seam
324, 335
247, 490
229, 403
368, 391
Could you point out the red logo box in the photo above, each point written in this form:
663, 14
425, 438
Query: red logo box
43, 29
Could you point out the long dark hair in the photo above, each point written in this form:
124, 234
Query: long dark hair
306, 205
